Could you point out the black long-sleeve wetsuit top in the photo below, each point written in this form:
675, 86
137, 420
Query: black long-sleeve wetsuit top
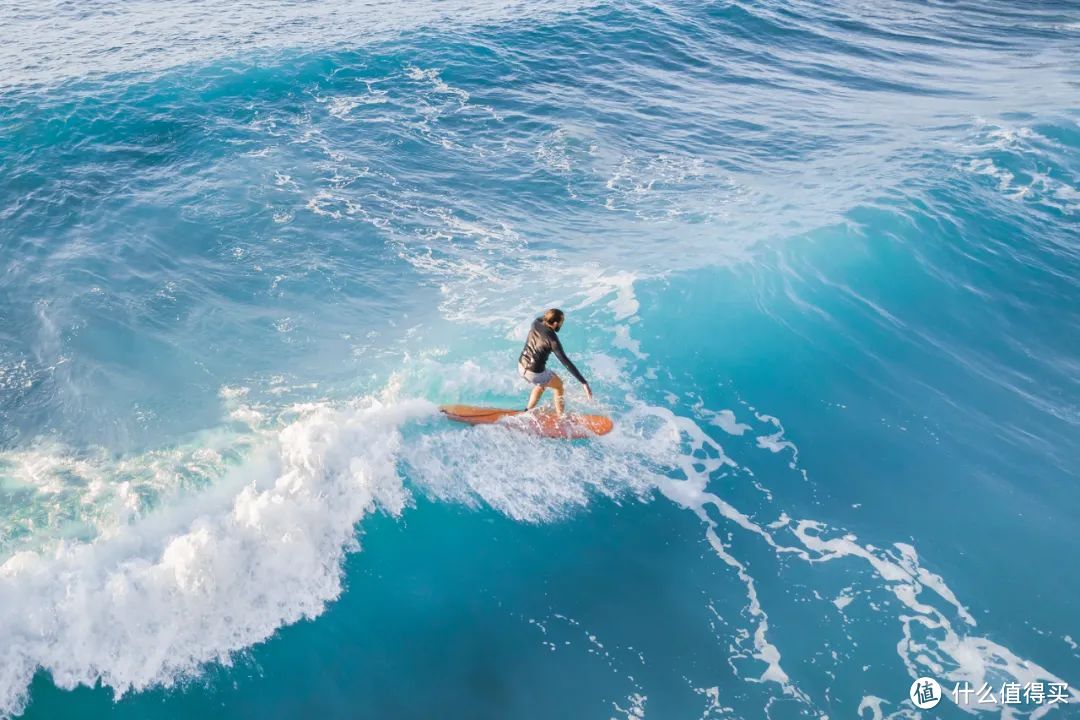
543, 341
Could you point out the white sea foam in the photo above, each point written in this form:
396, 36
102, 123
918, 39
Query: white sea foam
150, 602
635, 707
554, 151
725, 420
65, 495
548, 479
667, 186
624, 341
432, 76
1016, 157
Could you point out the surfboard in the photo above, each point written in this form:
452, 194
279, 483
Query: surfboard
571, 426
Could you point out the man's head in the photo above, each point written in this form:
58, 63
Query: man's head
554, 318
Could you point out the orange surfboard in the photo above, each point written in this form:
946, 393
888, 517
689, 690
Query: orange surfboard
570, 426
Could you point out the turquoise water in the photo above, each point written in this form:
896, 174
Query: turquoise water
820, 265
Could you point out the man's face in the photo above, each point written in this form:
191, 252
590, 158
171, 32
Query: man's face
559, 324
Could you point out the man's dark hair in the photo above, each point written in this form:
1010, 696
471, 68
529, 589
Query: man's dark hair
553, 317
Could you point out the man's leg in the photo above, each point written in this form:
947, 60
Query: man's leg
534, 396
556, 384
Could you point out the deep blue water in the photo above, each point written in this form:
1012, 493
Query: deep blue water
820, 264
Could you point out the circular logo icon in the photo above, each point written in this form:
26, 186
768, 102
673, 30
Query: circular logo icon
925, 693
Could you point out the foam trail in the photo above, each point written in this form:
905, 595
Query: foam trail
930, 644
943, 652
151, 602
698, 467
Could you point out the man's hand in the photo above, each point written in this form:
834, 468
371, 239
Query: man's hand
588, 391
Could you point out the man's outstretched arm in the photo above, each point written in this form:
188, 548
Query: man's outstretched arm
559, 353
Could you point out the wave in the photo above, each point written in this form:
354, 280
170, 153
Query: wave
151, 601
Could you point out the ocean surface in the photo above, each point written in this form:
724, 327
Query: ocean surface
820, 262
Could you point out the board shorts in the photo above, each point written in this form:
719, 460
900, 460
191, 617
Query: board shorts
541, 378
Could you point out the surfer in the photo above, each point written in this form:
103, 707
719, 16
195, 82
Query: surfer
542, 341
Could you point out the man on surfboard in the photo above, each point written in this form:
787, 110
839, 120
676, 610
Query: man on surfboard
543, 341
